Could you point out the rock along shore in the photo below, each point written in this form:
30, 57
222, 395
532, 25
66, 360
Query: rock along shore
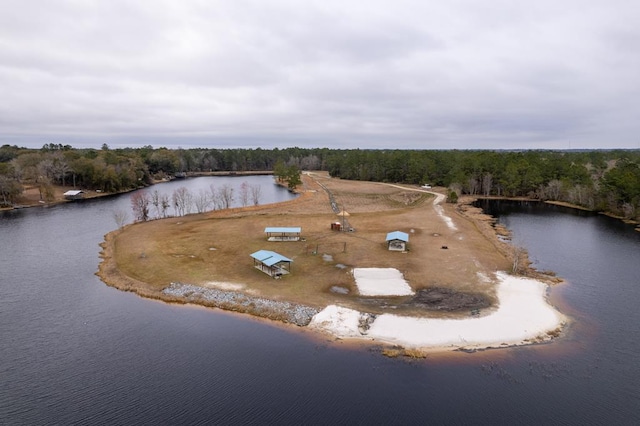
287, 312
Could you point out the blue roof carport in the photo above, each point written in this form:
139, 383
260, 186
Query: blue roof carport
283, 233
398, 235
271, 263
397, 241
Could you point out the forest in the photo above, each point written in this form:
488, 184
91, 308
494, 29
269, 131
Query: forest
599, 180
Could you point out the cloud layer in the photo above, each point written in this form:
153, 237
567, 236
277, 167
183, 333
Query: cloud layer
374, 74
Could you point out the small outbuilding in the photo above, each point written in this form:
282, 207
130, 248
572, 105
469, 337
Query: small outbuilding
74, 194
271, 263
397, 240
283, 233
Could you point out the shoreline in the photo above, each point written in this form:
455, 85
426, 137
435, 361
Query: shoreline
556, 203
93, 194
425, 334
189, 175
524, 316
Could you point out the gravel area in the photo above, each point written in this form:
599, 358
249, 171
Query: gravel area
234, 301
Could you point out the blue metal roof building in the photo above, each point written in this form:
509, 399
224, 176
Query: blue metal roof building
271, 263
283, 233
397, 240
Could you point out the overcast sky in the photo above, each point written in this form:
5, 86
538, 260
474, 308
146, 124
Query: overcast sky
458, 74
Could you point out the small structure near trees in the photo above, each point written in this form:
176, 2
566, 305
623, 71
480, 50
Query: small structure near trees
74, 194
283, 233
397, 241
344, 223
271, 263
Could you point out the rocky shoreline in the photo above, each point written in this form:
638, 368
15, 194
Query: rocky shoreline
287, 312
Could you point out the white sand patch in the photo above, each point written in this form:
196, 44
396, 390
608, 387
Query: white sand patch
381, 282
341, 322
522, 316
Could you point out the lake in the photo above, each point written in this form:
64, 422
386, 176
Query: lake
75, 351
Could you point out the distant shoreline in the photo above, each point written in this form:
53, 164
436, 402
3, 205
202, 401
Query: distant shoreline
561, 204
97, 194
30, 201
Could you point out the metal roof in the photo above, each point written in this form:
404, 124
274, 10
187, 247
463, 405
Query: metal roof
398, 235
269, 258
291, 230
73, 192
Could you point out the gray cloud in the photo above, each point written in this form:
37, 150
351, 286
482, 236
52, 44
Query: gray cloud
378, 74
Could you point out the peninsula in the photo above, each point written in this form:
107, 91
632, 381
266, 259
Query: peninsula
448, 289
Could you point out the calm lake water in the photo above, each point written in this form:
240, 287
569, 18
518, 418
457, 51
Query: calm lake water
74, 351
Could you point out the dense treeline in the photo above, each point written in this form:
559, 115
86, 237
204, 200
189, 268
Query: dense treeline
599, 180
105, 170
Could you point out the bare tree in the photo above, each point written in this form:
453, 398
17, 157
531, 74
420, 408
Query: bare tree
310, 162
140, 204
454, 188
121, 217
554, 190
45, 188
155, 201
225, 196
575, 195
202, 201
182, 201
45, 169
628, 210
582, 196
17, 170
487, 181
474, 185
9, 190
164, 204
256, 192
244, 194
61, 169
188, 202
177, 203
213, 194
519, 260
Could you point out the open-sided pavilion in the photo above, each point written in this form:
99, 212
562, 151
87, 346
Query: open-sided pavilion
271, 263
283, 233
397, 241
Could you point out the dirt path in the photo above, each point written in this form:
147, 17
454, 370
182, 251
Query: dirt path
332, 201
436, 203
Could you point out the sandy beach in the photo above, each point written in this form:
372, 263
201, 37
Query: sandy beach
523, 316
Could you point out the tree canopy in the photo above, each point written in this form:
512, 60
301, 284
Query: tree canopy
605, 180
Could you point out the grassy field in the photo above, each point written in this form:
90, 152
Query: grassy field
214, 248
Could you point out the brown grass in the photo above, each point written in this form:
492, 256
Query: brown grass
215, 247
398, 351
392, 351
